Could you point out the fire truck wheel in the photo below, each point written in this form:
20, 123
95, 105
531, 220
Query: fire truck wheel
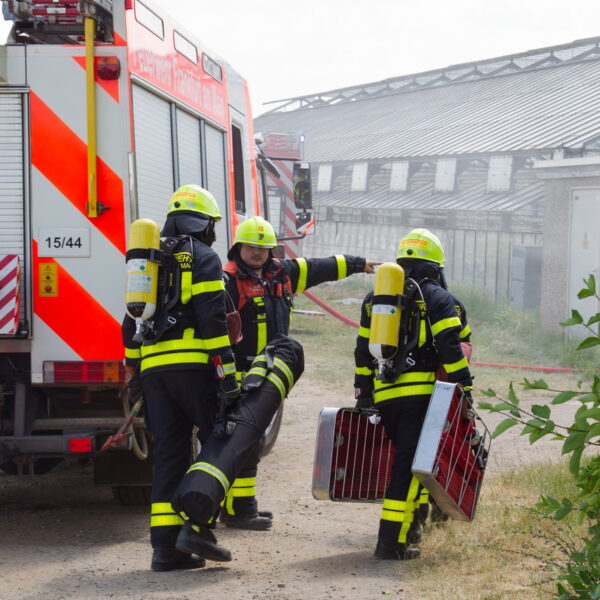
40, 466
272, 431
130, 495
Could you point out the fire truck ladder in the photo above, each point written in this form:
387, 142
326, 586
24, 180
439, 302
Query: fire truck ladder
58, 22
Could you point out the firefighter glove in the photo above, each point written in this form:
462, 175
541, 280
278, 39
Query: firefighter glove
467, 396
135, 388
231, 388
364, 398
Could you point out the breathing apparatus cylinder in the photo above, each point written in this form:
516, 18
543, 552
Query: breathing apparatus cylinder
386, 313
142, 273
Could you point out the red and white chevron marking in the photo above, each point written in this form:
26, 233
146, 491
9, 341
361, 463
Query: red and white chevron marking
10, 274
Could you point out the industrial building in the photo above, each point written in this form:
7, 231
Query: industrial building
499, 157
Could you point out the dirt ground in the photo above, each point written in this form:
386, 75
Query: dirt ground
62, 538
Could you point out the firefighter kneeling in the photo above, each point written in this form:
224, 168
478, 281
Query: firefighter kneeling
223, 455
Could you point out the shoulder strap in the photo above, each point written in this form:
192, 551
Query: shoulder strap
230, 306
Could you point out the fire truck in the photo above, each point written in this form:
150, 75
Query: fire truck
106, 107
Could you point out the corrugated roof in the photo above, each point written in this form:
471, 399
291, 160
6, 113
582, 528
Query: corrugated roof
474, 198
538, 108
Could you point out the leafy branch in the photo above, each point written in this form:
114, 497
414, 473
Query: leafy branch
580, 579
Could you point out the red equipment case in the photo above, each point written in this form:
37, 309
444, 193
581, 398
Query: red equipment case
353, 455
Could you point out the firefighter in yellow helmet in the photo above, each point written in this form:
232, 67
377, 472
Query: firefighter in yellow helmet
262, 289
403, 398
177, 364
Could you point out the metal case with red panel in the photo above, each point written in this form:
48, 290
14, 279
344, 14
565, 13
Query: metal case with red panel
451, 454
353, 456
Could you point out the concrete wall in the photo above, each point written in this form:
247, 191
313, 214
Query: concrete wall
561, 177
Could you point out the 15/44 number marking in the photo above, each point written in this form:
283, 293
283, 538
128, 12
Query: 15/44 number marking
64, 241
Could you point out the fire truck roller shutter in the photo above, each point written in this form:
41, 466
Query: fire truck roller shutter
216, 184
153, 154
12, 191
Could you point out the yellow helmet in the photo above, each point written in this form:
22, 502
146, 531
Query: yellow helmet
194, 199
422, 244
255, 231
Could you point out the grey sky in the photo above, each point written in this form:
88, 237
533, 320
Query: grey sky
288, 48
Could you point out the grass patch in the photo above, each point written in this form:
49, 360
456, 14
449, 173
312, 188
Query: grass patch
509, 551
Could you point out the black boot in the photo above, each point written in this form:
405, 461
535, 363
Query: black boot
414, 535
202, 542
437, 514
170, 559
259, 521
395, 551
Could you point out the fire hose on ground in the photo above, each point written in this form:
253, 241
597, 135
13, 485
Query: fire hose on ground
356, 325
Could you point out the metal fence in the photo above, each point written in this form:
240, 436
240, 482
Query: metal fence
487, 250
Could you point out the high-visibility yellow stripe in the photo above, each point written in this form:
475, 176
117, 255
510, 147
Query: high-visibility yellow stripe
410, 377
286, 371
186, 286
211, 470
241, 492
217, 342
173, 346
162, 508
445, 324
229, 368
465, 332
401, 392
260, 371
364, 332
244, 482
276, 381
175, 358
423, 496
186, 342
207, 286
457, 366
391, 515
413, 491
390, 504
342, 267
302, 275
261, 326
363, 371
229, 504
422, 333
132, 353
165, 520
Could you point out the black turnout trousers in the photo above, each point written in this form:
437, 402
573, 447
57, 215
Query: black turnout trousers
175, 401
403, 422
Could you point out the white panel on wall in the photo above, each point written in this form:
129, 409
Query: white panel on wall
445, 174
359, 177
324, 179
499, 173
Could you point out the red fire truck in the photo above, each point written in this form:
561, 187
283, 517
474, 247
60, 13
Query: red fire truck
106, 107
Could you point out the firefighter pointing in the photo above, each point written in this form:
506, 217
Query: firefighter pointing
410, 332
262, 288
184, 358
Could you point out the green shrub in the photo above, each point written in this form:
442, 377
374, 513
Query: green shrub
580, 577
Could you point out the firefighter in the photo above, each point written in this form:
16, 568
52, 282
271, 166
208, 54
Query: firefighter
403, 398
262, 288
177, 369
